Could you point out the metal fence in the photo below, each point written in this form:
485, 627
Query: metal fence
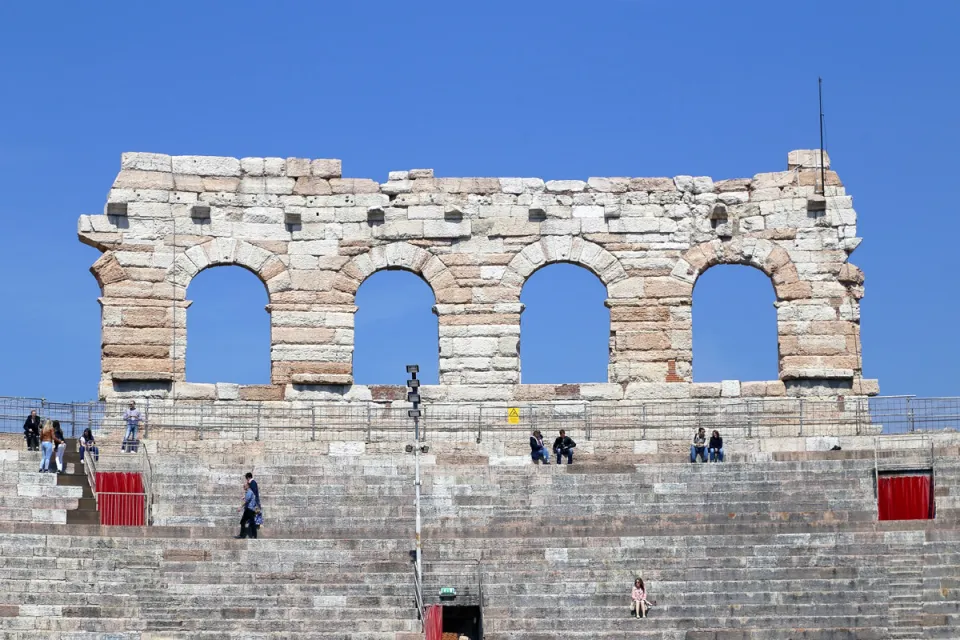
372, 422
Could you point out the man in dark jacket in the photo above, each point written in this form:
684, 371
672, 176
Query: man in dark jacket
563, 446
31, 431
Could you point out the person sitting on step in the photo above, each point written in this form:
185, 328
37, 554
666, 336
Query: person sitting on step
563, 446
699, 446
715, 447
31, 431
638, 599
537, 451
88, 443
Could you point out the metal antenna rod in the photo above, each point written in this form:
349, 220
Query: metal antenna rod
823, 172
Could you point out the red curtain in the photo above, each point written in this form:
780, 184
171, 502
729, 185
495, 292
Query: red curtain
434, 622
904, 498
120, 498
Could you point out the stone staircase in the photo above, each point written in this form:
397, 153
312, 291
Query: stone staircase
783, 550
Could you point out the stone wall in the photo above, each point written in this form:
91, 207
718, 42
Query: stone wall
313, 237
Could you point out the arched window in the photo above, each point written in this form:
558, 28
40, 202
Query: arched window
734, 325
395, 326
228, 327
565, 327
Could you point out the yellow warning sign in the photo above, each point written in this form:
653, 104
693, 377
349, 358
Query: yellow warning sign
513, 415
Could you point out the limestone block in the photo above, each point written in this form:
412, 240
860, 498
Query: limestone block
206, 165
326, 168
445, 229
312, 186
521, 185
394, 176
821, 443
706, 390
588, 211
645, 447
627, 288
228, 391
145, 161
195, 391
137, 179
807, 159
354, 185
565, 186
297, 167
347, 449
730, 389
609, 185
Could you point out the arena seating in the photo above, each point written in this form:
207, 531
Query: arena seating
780, 549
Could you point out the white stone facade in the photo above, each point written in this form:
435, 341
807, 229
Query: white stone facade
313, 236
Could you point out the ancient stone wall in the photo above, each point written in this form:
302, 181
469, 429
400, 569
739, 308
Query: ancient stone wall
313, 236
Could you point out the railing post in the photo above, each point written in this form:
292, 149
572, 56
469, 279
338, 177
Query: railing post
313, 423
369, 425
910, 416
587, 423
73, 420
259, 409
801, 418
643, 421
479, 424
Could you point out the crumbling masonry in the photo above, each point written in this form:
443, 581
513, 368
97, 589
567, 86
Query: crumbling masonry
313, 236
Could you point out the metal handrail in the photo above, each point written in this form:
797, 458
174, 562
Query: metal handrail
418, 596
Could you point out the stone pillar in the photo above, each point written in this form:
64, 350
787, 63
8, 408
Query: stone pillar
479, 343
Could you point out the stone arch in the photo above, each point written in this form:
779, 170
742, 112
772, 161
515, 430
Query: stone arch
229, 252
765, 255
575, 250
398, 256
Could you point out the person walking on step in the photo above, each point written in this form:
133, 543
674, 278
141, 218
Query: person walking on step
31, 431
60, 445
638, 599
132, 418
699, 446
46, 446
563, 446
88, 443
715, 447
256, 491
248, 527
537, 450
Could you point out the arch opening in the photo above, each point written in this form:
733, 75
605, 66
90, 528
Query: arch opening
565, 326
734, 325
228, 328
395, 326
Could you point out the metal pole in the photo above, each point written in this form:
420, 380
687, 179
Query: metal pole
416, 457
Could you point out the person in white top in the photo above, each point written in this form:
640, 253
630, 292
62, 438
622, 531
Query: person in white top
132, 418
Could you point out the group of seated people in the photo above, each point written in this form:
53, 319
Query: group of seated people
562, 446
704, 450
46, 436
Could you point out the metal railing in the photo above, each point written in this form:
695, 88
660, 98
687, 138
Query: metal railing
374, 422
418, 596
462, 575
123, 503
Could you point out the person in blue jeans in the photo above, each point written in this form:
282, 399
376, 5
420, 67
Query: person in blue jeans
715, 447
538, 452
563, 446
132, 418
46, 446
699, 446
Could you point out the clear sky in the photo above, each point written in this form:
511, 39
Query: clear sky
549, 89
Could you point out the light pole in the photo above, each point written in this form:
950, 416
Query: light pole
413, 396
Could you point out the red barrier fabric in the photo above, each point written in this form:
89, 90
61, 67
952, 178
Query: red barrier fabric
120, 498
904, 498
434, 622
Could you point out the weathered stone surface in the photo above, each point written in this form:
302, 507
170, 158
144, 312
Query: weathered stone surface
313, 237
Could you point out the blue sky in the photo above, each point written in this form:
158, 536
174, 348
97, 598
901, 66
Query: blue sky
556, 90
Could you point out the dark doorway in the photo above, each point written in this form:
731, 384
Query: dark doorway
464, 621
